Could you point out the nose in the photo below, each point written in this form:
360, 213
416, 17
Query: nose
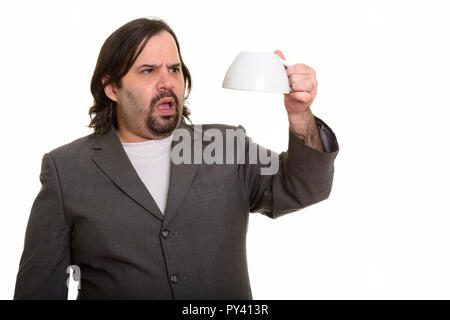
165, 81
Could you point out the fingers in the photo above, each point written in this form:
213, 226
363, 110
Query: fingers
302, 82
302, 78
300, 68
303, 97
280, 54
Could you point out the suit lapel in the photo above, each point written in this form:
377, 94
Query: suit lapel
181, 176
112, 159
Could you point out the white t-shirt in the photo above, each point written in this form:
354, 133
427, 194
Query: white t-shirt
151, 160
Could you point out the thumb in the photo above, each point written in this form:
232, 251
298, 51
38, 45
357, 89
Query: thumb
280, 54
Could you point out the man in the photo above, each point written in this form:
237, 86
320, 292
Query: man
136, 223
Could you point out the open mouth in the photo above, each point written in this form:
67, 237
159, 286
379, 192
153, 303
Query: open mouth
166, 106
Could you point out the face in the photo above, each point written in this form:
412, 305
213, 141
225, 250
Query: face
150, 100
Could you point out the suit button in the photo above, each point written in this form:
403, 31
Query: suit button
165, 233
174, 278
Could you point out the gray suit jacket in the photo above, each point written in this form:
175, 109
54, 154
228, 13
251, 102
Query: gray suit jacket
93, 211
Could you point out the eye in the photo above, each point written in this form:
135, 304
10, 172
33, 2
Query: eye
175, 69
147, 71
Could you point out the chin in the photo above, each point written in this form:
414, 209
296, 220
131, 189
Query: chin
162, 128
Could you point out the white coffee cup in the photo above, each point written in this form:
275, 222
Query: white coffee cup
257, 71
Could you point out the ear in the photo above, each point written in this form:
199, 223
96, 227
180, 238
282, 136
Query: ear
110, 89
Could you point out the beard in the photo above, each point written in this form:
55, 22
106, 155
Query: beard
163, 125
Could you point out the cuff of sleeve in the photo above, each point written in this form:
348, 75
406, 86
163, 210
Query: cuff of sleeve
328, 138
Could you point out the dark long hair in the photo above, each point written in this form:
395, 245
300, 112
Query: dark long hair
116, 57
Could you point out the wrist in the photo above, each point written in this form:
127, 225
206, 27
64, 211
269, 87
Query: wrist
302, 124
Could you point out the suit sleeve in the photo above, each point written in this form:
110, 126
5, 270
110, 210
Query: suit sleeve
46, 254
303, 175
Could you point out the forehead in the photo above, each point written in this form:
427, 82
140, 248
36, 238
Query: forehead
160, 48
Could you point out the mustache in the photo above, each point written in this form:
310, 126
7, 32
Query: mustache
162, 95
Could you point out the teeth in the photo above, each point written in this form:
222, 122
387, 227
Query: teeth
164, 106
166, 102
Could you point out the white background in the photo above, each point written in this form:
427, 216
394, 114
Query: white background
383, 70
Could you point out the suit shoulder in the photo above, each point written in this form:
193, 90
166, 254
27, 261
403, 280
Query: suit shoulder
75, 148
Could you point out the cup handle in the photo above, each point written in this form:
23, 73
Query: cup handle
284, 62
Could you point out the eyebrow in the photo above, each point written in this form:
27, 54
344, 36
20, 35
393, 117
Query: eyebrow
157, 66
